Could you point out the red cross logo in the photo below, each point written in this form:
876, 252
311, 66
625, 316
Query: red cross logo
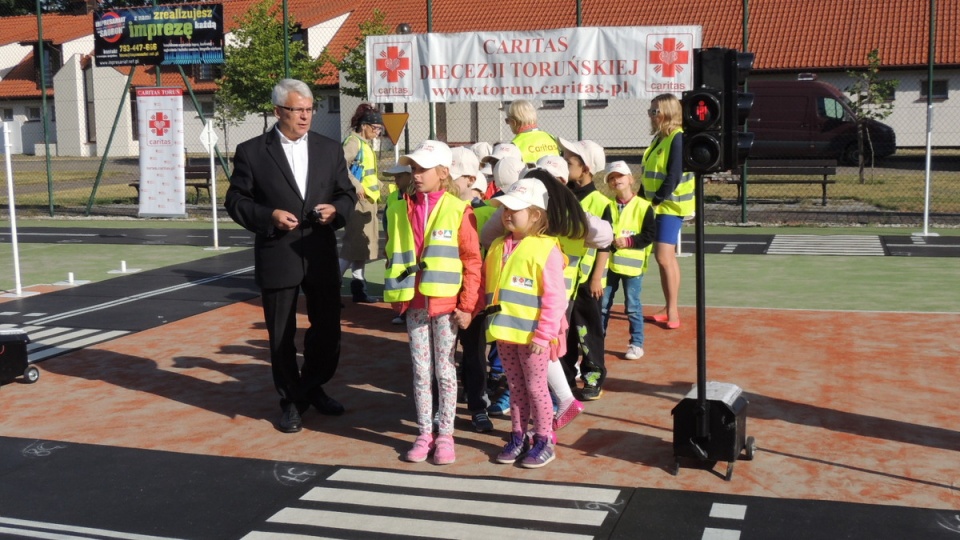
160, 124
669, 58
394, 62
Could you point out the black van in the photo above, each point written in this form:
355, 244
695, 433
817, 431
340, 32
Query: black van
809, 119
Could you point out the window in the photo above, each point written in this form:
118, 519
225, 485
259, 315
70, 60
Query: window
333, 104
552, 104
207, 110
939, 89
134, 116
91, 113
595, 103
7, 115
207, 72
33, 113
52, 61
830, 108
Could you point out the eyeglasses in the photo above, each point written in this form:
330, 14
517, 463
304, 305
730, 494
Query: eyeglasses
376, 127
653, 112
298, 110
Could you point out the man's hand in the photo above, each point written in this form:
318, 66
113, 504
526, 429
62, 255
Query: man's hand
327, 212
284, 221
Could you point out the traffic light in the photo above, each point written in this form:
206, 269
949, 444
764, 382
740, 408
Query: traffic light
703, 112
702, 130
736, 109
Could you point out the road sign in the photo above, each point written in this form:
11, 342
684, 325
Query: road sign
393, 124
208, 137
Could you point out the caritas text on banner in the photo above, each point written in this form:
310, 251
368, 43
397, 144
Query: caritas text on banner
160, 124
635, 62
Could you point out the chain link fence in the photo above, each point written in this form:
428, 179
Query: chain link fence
78, 180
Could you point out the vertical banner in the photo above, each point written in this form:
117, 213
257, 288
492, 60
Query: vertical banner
160, 125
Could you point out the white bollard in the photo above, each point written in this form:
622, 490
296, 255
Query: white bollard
70, 278
123, 267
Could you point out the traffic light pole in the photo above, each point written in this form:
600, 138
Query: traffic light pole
703, 420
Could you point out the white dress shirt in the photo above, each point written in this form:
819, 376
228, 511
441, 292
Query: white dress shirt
296, 152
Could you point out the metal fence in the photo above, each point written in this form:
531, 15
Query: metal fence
79, 181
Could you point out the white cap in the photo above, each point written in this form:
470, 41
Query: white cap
502, 150
429, 154
507, 171
487, 169
481, 149
620, 167
555, 165
397, 169
465, 163
480, 184
524, 193
590, 153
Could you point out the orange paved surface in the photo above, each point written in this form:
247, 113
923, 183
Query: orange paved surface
858, 407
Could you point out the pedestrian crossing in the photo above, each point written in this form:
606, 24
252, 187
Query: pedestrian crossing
354, 502
49, 341
812, 244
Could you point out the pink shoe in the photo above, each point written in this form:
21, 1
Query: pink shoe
422, 448
444, 454
573, 409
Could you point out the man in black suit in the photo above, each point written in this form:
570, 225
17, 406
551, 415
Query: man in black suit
290, 187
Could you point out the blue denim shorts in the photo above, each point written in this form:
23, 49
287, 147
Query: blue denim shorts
668, 228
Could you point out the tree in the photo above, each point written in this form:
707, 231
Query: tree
353, 64
254, 63
871, 98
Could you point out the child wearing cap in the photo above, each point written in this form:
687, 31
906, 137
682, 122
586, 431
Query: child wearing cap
433, 275
584, 160
526, 303
635, 229
402, 188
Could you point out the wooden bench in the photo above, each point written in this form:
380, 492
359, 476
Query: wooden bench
194, 176
759, 169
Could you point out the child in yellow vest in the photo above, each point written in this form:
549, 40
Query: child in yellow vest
433, 275
526, 297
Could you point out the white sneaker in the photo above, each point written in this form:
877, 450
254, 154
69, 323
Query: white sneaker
634, 352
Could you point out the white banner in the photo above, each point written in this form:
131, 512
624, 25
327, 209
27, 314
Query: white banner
636, 62
160, 124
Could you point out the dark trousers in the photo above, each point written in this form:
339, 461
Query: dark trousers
321, 344
585, 336
473, 363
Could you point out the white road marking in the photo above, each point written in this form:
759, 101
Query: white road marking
93, 533
811, 244
720, 534
728, 511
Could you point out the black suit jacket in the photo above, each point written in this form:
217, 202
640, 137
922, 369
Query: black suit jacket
262, 181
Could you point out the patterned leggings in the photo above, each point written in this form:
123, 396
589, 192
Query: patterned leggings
433, 341
529, 392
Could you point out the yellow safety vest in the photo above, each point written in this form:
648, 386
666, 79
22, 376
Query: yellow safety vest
679, 203
439, 265
483, 214
366, 165
595, 203
535, 144
629, 261
515, 288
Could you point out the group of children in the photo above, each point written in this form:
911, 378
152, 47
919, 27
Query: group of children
529, 264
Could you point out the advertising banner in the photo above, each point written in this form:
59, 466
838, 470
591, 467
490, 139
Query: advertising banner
170, 34
160, 125
634, 62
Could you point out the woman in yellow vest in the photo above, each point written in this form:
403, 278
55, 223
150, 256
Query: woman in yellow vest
533, 142
634, 228
670, 190
526, 307
361, 236
433, 275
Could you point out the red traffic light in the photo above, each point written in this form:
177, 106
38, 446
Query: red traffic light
701, 110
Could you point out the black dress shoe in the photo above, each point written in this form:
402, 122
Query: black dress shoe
326, 404
290, 421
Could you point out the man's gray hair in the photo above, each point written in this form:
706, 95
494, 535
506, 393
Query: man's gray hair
283, 88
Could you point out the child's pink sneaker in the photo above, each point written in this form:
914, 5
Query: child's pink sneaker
567, 415
444, 454
421, 449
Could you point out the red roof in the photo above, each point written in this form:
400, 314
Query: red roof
804, 35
